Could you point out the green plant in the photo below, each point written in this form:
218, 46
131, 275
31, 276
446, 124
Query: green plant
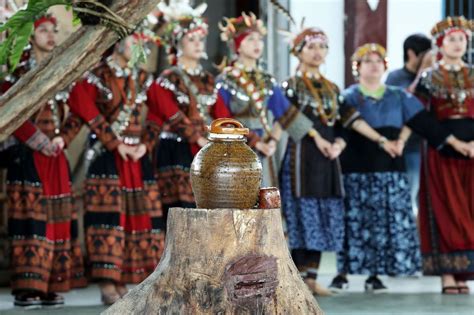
19, 27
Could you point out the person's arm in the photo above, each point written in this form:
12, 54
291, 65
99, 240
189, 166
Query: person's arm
36, 140
219, 109
308, 128
289, 117
82, 103
71, 128
426, 125
151, 133
402, 139
362, 127
162, 103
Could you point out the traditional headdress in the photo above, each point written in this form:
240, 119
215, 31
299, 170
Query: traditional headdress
44, 19
449, 25
236, 29
305, 36
181, 19
364, 50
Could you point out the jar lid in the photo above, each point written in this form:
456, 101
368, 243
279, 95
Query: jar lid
221, 127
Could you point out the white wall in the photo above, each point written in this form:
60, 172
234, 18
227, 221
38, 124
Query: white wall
329, 16
406, 17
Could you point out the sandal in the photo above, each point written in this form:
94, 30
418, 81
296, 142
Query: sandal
28, 300
316, 288
464, 289
450, 290
52, 300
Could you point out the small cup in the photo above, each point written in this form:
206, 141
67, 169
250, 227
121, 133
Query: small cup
269, 198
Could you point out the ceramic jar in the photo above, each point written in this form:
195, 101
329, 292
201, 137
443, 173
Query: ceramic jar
226, 173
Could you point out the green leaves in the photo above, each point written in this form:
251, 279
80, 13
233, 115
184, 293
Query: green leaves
138, 54
19, 43
19, 28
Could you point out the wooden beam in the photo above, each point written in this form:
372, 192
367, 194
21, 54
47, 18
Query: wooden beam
362, 25
65, 65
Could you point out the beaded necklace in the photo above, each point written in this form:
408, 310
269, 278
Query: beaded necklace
460, 98
327, 119
127, 94
255, 89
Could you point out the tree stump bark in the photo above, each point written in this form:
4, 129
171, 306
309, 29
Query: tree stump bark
222, 261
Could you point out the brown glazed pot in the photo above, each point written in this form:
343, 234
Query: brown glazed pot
226, 173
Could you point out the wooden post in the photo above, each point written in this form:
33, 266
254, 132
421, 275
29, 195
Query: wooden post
222, 261
363, 24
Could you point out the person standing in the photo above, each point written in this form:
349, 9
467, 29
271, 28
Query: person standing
311, 178
42, 219
447, 182
254, 97
123, 222
182, 101
381, 236
415, 47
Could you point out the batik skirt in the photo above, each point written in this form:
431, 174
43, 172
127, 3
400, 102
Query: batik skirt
381, 237
312, 223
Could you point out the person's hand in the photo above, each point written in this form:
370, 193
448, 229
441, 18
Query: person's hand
336, 149
271, 146
50, 149
139, 152
125, 151
471, 153
59, 141
323, 145
265, 148
201, 141
400, 144
391, 148
466, 149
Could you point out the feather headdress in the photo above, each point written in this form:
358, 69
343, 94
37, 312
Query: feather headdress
234, 30
304, 35
181, 19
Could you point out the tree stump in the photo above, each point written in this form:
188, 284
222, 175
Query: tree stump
222, 261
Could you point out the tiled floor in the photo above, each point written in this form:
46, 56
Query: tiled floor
406, 296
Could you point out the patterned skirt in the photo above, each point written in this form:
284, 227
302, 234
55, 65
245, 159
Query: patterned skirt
380, 231
312, 223
447, 216
46, 252
124, 224
173, 160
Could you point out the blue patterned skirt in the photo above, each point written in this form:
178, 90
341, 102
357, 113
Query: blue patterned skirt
312, 223
381, 237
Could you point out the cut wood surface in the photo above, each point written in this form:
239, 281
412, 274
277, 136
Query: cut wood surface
222, 261
65, 65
